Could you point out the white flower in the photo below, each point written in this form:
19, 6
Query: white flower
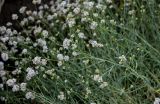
45, 33
28, 40
16, 63
36, 1
76, 10
122, 59
131, 12
88, 5
31, 18
99, 5
88, 91
84, 19
104, 84
46, 6
9, 24
74, 46
55, 15
36, 60
40, 14
60, 57
3, 98
34, 13
30, 95
4, 39
4, 56
81, 35
24, 51
74, 53
85, 62
23, 86
37, 30
31, 73
1, 86
102, 21
15, 88
9, 32
11, 82
22, 9
94, 34
61, 96
95, 14
93, 25
41, 42
71, 22
66, 43
85, 13
24, 21
1, 65
43, 61
2, 73
92, 103
14, 16
157, 101
45, 49
63, 4
100, 45
2, 29
59, 63
109, 1
66, 58
14, 72
95, 44
40, 7
97, 78
113, 22
49, 17
50, 72
29, 12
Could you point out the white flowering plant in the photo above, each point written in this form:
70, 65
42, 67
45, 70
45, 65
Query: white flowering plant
81, 52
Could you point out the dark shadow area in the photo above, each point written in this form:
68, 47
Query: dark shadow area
13, 6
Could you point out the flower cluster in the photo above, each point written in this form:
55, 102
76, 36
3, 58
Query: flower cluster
157, 101
47, 42
122, 59
99, 79
52, 35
